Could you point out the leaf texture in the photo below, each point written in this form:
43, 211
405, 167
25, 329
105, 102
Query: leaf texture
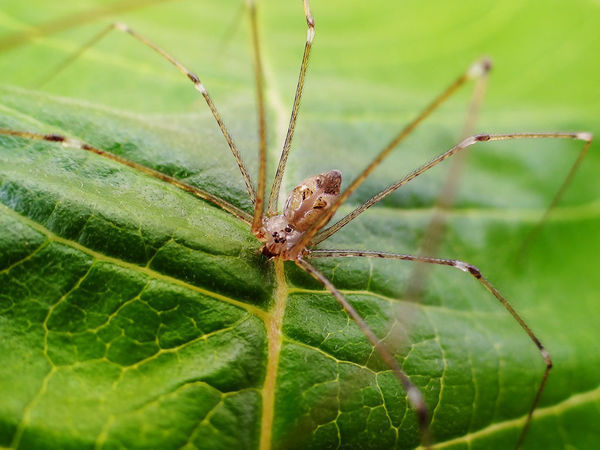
135, 315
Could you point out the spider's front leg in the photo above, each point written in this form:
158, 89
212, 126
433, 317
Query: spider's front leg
198, 85
80, 145
460, 147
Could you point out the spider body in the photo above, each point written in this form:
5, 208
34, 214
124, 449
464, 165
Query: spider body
305, 204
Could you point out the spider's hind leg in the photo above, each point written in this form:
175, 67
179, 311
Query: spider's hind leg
476, 273
413, 394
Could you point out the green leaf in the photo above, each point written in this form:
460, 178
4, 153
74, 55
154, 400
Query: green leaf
135, 315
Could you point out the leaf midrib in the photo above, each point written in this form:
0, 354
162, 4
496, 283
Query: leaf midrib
274, 326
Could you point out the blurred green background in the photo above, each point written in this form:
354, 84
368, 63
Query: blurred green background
374, 64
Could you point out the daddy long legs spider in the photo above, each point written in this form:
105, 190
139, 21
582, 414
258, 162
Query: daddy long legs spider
302, 231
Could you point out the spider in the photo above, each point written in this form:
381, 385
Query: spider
292, 233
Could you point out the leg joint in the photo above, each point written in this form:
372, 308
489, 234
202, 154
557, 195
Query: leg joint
466, 267
479, 68
193, 77
310, 34
474, 271
585, 136
120, 26
547, 358
54, 138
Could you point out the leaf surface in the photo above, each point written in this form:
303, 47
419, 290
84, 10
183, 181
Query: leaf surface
135, 315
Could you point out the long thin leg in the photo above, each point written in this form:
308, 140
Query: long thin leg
583, 136
62, 65
190, 75
73, 143
259, 204
412, 392
72, 21
474, 71
561, 190
434, 230
465, 267
230, 31
310, 35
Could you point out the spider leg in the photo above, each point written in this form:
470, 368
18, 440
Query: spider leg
230, 31
77, 144
310, 35
415, 397
435, 229
476, 273
123, 28
561, 190
465, 143
259, 204
74, 20
474, 71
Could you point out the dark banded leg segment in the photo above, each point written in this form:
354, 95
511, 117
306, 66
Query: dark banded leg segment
190, 75
474, 271
415, 397
77, 144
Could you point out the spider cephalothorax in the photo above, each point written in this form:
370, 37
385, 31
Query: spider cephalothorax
306, 203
